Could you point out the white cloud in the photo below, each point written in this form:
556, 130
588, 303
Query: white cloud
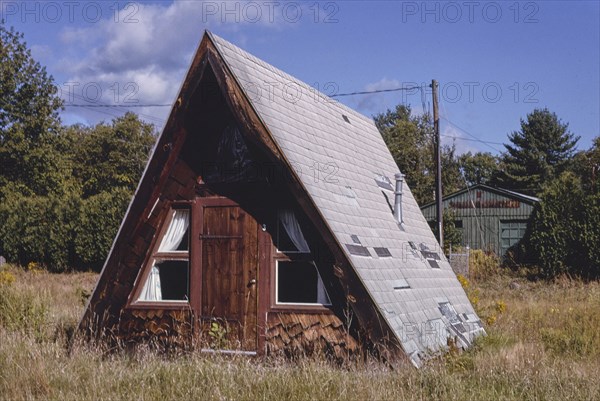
451, 135
143, 53
376, 102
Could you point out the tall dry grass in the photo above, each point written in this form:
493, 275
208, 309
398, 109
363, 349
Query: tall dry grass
543, 346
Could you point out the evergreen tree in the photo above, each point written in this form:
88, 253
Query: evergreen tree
537, 154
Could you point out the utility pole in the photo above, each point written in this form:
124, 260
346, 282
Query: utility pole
438, 164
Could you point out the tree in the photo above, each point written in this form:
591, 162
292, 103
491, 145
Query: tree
586, 165
452, 235
538, 153
478, 168
410, 140
111, 156
554, 226
63, 190
29, 122
451, 178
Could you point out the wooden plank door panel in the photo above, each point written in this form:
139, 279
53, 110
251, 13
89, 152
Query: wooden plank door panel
229, 273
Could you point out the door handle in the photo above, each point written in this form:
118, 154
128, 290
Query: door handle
251, 283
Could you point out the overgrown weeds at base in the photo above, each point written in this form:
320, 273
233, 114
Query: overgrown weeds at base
543, 346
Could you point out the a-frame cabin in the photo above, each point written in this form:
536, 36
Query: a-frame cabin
269, 220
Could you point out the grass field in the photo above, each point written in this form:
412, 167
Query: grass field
543, 344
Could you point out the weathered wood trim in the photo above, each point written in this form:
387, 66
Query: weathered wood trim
159, 305
301, 308
196, 254
264, 279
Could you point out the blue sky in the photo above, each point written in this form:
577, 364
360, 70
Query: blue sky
495, 60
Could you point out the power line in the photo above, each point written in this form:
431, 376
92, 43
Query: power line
377, 91
488, 144
420, 88
116, 105
95, 106
470, 139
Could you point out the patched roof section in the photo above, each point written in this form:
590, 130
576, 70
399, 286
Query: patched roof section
345, 166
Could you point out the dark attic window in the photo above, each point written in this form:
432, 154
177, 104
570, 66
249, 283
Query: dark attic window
345, 117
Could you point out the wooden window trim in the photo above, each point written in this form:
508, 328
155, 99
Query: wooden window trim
303, 308
162, 305
291, 307
134, 302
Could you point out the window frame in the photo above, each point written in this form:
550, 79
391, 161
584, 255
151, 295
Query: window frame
155, 255
309, 304
292, 256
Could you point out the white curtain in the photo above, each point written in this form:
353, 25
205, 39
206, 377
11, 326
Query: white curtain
292, 228
151, 290
177, 228
170, 242
322, 296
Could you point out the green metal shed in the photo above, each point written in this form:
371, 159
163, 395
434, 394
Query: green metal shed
492, 219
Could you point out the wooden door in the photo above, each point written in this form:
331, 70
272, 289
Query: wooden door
229, 240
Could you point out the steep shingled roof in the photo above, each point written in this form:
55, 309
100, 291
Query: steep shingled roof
344, 164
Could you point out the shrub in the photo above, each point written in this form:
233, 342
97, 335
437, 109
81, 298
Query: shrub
482, 264
101, 216
564, 235
38, 229
61, 232
22, 311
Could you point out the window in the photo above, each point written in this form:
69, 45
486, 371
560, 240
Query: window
289, 234
168, 279
297, 280
511, 232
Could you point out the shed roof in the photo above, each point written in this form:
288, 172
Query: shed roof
340, 156
496, 190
